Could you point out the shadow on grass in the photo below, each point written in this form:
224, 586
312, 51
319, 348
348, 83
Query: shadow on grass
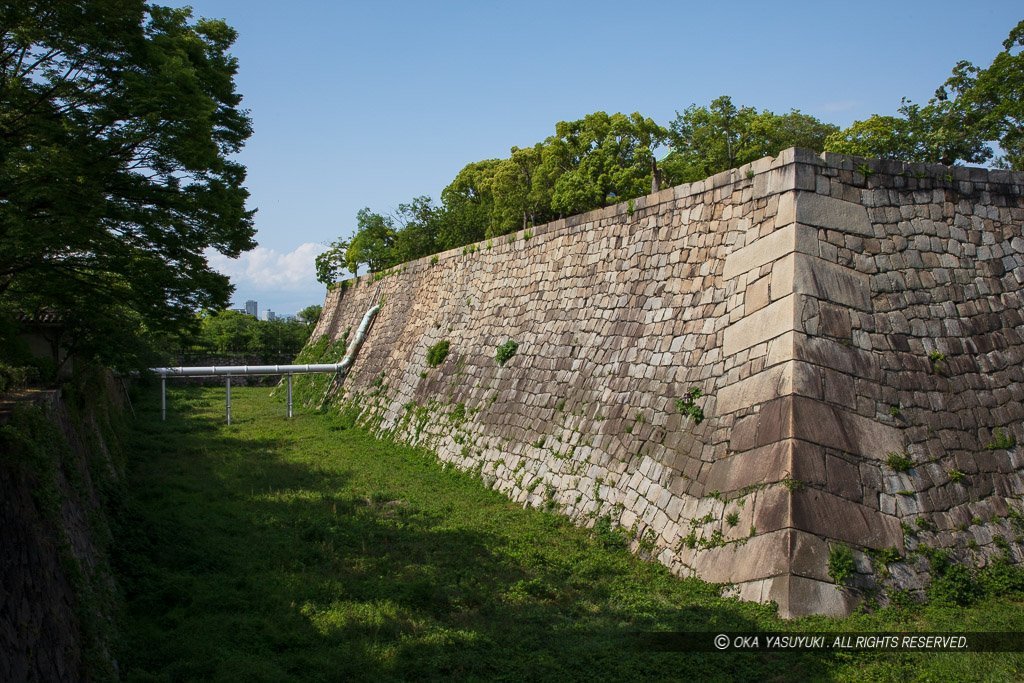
245, 560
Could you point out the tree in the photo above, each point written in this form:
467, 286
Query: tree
598, 160
310, 314
373, 243
419, 229
117, 122
972, 108
330, 263
709, 140
521, 198
995, 97
468, 205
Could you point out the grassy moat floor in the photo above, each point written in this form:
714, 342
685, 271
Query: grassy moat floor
307, 550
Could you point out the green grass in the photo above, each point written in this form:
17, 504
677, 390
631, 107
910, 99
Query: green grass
278, 550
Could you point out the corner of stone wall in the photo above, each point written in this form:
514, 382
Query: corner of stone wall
790, 359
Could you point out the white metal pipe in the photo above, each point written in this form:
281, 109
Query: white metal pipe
208, 370
229, 399
289, 395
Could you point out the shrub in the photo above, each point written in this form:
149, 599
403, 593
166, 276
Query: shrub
505, 352
687, 405
840, 564
437, 353
1001, 441
899, 461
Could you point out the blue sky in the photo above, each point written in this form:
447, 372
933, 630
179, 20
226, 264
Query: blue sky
374, 103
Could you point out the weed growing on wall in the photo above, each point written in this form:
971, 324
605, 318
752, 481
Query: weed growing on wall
688, 407
505, 352
1001, 441
437, 353
899, 461
840, 564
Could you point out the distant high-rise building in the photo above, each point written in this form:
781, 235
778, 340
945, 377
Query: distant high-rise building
252, 308
269, 315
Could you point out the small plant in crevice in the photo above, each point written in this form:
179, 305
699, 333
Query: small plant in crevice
630, 208
687, 405
437, 353
750, 173
881, 558
1001, 441
865, 170
505, 352
938, 361
527, 234
732, 519
899, 461
433, 260
955, 476
793, 484
840, 564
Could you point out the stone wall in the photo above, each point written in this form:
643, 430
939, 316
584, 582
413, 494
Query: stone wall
837, 315
58, 598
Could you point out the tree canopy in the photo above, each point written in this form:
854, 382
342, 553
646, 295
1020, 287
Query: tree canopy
974, 108
118, 120
604, 159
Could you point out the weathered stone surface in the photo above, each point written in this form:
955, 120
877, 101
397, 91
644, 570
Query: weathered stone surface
769, 322
774, 246
835, 214
831, 282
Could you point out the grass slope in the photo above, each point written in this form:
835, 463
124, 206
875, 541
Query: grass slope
306, 550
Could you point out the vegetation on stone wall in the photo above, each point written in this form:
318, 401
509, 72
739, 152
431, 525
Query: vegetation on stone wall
62, 469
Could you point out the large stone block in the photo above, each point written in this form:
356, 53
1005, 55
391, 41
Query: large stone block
831, 282
792, 377
774, 245
835, 214
767, 323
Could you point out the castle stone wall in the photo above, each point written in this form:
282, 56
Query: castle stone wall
831, 311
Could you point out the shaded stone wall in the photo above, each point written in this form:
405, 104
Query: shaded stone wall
802, 297
58, 599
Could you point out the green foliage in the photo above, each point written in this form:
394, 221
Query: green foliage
709, 140
793, 485
954, 585
505, 352
899, 461
732, 519
12, 378
688, 407
310, 315
458, 415
955, 476
840, 563
377, 563
437, 353
974, 106
599, 160
329, 264
1001, 441
120, 123
937, 360
881, 558
234, 333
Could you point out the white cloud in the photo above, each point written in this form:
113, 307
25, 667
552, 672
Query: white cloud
264, 268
